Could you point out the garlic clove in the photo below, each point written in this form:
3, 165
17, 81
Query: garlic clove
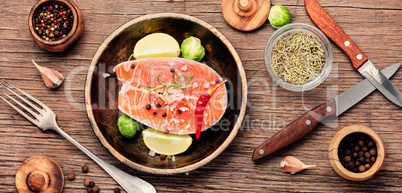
293, 165
52, 78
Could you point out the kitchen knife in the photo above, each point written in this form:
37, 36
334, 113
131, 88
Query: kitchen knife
359, 61
307, 122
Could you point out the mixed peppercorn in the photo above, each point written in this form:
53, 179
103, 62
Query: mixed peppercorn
357, 152
53, 21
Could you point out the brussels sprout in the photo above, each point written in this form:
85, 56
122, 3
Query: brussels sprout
192, 49
279, 16
127, 126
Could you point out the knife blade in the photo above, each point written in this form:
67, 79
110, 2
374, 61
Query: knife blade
359, 61
376, 78
307, 122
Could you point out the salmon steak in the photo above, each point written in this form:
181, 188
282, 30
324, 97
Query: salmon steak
162, 93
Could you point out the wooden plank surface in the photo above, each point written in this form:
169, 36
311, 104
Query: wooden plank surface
374, 26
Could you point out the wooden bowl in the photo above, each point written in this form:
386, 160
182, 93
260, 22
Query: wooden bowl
73, 36
101, 94
334, 158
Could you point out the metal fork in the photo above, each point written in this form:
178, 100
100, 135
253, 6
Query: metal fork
45, 119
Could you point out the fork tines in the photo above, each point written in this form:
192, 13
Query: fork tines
10, 87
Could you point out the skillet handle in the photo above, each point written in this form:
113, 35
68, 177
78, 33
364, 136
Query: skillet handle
323, 21
295, 130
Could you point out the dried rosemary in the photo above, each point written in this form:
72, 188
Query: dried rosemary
298, 58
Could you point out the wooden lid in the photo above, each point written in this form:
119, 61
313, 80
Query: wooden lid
246, 15
39, 174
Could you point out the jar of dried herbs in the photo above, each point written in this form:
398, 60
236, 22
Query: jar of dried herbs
298, 58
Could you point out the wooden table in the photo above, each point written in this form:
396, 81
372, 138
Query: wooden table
374, 26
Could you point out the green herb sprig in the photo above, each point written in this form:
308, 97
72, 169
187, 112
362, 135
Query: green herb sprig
167, 86
298, 58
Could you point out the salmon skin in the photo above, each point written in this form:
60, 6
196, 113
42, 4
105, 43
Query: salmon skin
162, 93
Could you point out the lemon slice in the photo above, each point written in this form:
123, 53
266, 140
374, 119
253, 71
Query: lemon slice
167, 144
156, 45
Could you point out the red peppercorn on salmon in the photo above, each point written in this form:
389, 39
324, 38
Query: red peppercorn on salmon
162, 93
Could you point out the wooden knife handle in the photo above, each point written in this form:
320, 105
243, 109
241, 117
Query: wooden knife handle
295, 130
323, 21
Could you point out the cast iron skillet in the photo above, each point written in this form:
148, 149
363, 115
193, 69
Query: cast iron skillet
101, 93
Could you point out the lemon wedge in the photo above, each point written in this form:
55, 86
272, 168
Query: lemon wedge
156, 45
167, 144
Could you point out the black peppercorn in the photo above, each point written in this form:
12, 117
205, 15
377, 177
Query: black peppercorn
85, 169
373, 159
116, 190
373, 152
357, 163
368, 166
347, 152
351, 164
132, 66
361, 159
361, 143
172, 70
368, 160
357, 148
355, 154
91, 184
162, 157
95, 189
158, 106
163, 114
179, 111
361, 153
371, 144
367, 155
86, 182
155, 113
148, 107
364, 149
348, 158
70, 176
362, 168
